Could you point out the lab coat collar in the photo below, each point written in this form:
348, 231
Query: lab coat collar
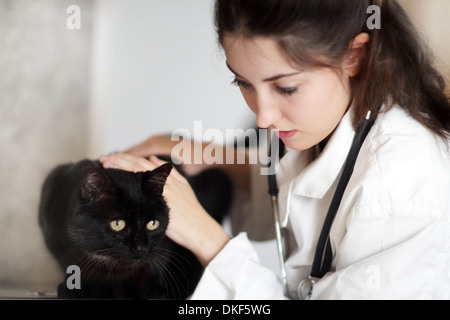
316, 178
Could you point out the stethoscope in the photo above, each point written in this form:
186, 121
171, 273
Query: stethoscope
323, 255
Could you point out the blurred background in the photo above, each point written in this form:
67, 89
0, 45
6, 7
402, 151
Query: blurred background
127, 69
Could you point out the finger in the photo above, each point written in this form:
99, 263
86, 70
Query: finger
126, 162
157, 160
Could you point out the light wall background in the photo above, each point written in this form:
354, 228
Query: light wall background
135, 68
158, 68
432, 18
44, 107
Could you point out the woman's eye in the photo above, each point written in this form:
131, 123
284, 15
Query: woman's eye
153, 225
241, 84
287, 91
117, 225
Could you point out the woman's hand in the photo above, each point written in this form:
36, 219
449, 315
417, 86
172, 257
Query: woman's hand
189, 224
163, 145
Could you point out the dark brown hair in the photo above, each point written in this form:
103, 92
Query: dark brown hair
398, 67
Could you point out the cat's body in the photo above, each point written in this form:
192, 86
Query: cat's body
111, 224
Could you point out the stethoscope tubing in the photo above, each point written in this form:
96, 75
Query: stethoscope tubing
273, 191
323, 254
280, 244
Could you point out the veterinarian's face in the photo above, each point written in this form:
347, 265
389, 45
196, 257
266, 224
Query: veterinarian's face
304, 105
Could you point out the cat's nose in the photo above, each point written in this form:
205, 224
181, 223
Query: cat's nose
140, 251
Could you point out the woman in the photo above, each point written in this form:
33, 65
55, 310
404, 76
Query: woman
313, 69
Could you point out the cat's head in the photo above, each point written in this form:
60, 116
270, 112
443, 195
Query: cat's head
121, 217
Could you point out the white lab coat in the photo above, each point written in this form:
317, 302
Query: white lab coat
390, 237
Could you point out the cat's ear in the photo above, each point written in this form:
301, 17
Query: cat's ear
156, 179
96, 184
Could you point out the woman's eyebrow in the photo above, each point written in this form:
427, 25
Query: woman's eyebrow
274, 78
281, 76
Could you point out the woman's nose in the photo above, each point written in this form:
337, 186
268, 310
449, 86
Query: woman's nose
267, 112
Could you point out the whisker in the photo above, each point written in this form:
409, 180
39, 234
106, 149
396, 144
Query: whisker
184, 282
173, 269
155, 263
168, 272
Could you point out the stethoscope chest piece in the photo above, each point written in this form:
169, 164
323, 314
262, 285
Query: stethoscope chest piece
305, 288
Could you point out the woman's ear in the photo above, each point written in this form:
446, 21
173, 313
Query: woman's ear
357, 53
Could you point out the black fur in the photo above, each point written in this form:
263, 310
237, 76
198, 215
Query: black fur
80, 201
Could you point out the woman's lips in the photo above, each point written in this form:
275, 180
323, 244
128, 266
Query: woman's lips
286, 135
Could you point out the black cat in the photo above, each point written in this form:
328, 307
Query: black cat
111, 224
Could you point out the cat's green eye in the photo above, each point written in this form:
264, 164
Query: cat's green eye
153, 225
118, 225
